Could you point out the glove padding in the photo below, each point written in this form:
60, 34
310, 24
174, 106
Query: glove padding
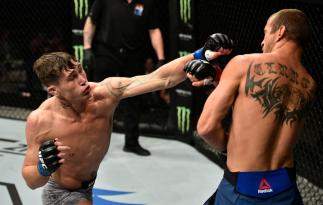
48, 159
89, 59
202, 69
213, 43
217, 40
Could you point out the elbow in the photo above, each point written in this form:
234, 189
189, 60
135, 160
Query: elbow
29, 182
204, 131
31, 186
208, 130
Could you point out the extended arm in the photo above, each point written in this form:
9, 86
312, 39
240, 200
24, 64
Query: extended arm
164, 77
216, 106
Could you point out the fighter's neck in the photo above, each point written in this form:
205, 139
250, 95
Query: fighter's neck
288, 48
72, 108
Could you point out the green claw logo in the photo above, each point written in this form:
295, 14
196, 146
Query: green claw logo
183, 119
81, 8
185, 10
79, 53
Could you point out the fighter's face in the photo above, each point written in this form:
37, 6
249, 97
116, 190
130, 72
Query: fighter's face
268, 42
73, 84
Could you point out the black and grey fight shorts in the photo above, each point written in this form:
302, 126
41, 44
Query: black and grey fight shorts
54, 194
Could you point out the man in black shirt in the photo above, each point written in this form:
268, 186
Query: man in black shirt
115, 42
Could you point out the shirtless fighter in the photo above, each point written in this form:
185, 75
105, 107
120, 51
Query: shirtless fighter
69, 134
269, 93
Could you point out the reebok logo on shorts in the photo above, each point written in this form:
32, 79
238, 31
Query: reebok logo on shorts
264, 187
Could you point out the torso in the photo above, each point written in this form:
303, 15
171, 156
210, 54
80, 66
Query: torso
274, 94
88, 135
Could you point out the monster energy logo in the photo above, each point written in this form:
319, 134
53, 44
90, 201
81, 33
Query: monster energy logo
78, 53
185, 10
182, 53
81, 8
183, 119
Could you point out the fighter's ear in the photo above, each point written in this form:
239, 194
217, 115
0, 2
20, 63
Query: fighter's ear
281, 32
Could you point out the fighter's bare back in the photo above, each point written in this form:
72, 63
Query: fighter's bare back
274, 94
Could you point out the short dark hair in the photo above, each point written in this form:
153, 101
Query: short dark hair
49, 66
297, 25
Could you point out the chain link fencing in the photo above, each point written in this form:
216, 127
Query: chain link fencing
31, 28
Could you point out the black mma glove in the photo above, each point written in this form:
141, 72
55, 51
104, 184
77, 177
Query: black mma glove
202, 69
48, 159
213, 43
89, 59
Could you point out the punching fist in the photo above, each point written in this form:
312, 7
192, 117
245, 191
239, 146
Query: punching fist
203, 70
214, 43
48, 159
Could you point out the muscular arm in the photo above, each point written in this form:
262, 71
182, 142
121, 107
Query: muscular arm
218, 103
157, 42
38, 134
164, 77
89, 30
29, 169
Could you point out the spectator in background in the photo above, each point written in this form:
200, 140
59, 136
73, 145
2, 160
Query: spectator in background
115, 43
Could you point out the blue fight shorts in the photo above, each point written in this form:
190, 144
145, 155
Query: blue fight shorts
277, 187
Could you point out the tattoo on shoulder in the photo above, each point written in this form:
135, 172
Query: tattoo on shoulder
279, 90
113, 89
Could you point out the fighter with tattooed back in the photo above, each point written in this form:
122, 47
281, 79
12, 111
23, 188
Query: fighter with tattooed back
269, 93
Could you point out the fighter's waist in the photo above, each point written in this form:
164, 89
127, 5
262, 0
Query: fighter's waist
262, 184
233, 176
88, 184
73, 184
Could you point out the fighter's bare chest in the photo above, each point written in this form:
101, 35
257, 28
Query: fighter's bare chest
79, 129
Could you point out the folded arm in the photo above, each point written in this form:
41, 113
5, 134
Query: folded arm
29, 169
218, 103
44, 154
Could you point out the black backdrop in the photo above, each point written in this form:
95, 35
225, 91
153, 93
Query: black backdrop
31, 27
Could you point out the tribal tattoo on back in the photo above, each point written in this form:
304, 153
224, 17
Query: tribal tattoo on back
280, 90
